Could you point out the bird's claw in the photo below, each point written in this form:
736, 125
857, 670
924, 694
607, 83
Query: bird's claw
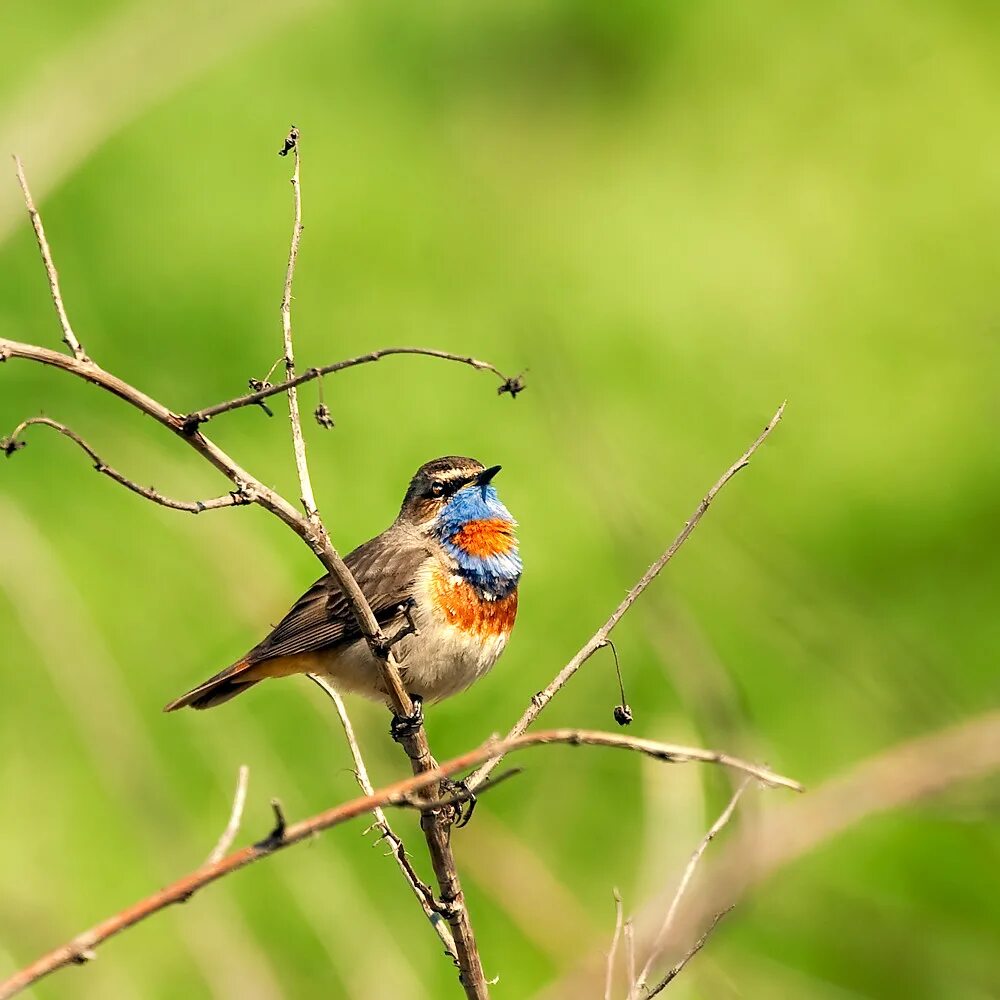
465, 803
403, 726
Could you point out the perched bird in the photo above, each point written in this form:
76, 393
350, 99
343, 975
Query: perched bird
445, 572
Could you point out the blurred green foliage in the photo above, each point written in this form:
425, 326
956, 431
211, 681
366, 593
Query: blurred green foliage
674, 216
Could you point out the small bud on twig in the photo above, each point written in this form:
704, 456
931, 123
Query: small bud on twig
322, 415
622, 712
9, 445
291, 140
513, 385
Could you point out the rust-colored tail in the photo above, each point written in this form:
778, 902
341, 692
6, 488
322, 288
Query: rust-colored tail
224, 685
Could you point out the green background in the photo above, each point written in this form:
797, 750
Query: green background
674, 215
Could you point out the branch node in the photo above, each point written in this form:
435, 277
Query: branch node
323, 417
9, 445
277, 836
261, 385
512, 385
291, 140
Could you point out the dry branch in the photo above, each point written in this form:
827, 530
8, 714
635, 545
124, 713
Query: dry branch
235, 818
689, 870
13, 443
600, 638
613, 950
69, 337
508, 384
675, 969
399, 793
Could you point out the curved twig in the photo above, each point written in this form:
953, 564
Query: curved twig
82, 946
14, 443
509, 384
235, 818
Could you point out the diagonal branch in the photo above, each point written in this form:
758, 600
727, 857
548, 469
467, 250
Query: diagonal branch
509, 384
13, 443
671, 914
675, 970
600, 638
69, 337
398, 793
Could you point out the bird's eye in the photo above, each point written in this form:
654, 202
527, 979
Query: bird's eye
437, 489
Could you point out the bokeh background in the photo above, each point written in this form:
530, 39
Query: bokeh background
673, 215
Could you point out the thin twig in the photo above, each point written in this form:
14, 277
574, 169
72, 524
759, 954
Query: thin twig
613, 950
298, 441
628, 932
422, 891
69, 337
398, 793
235, 818
598, 639
14, 443
201, 416
675, 970
671, 914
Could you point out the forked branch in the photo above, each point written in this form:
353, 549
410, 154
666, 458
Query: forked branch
15, 442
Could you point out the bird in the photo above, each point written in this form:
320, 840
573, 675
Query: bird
443, 577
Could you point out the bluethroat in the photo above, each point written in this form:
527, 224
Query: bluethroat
445, 572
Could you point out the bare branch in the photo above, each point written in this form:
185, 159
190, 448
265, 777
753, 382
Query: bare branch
613, 950
69, 337
599, 638
509, 384
14, 443
671, 914
398, 793
422, 892
235, 818
675, 970
298, 441
629, 934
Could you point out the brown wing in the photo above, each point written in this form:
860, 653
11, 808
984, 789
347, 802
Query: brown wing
385, 568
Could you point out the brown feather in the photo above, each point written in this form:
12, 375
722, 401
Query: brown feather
385, 568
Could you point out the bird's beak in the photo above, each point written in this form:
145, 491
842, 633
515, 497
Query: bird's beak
486, 475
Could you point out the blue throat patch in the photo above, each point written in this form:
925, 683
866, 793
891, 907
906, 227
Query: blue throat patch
494, 575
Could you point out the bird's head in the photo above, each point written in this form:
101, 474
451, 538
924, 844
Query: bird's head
450, 491
454, 500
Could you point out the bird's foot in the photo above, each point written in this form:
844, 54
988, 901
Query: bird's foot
403, 726
463, 800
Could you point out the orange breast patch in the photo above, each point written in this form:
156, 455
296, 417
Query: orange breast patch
487, 537
459, 604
